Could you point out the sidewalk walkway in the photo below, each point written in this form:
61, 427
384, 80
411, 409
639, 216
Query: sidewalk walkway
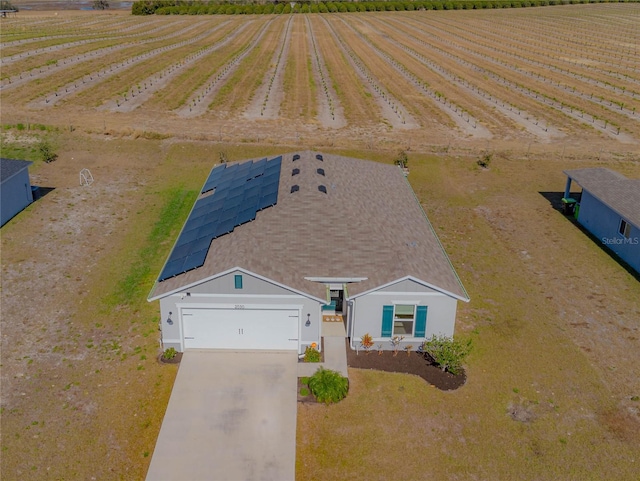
335, 354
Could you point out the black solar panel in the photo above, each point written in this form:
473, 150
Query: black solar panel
187, 236
295, 188
195, 260
246, 216
214, 177
268, 200
240, 191
296, 157
172, 268
226, 226
320, 171
322, 189
319, 157
295, 172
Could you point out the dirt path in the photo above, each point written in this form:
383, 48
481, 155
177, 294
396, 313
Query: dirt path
63, 46
92, 79
62, 64
392, 111
330, 110
147, 87
461, 117
199, 101
267, 99
578, 113
542, 131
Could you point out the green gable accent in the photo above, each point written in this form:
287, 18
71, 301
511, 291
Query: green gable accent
387, 321
421, 321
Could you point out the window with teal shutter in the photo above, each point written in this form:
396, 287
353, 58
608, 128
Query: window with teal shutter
421, 321
387, 321
238, 281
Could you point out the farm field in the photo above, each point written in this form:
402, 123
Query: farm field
548, 78
149, 104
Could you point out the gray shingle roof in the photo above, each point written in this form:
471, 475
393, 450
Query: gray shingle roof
10, 167
368, 224
613, 189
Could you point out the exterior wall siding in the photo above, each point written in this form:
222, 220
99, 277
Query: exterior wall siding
222, 291
603, 223
16, 195
367, 311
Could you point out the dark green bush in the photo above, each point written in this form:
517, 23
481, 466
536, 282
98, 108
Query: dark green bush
447, 352
328, 386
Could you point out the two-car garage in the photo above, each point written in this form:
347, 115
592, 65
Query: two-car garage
240, 327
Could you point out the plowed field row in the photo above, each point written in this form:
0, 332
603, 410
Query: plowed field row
53, 44
541, 75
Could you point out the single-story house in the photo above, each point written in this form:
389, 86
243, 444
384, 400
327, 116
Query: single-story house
609, 208
273, 244
15, 188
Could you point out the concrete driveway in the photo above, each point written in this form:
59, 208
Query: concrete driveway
231, 416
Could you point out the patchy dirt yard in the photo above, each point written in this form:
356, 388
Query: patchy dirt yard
79, 376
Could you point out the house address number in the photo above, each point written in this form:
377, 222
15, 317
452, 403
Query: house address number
239, 306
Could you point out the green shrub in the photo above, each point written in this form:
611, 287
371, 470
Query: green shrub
311, 354
169, 353
328, 386
447, 352
47, 153
304, 391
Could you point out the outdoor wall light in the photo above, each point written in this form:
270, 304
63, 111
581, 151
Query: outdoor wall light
308, 323
169, 321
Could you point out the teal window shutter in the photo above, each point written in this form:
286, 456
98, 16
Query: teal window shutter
421, 321
238, 281
387, 321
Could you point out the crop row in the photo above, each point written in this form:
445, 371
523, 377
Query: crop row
114, 68
63, 61
450, 106
615, 106
317, 60
200, 99
399, 70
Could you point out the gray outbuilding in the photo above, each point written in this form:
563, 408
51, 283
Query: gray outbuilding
15, 188
609, 208
273, 246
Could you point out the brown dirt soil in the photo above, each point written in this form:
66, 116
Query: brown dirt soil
414, 363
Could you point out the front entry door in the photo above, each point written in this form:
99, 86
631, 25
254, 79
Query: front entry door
337, 295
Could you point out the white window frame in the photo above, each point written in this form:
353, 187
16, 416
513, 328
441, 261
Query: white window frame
413, 326
624, 229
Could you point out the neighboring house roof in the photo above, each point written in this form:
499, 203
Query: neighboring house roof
11, 167
620, 194
369, 224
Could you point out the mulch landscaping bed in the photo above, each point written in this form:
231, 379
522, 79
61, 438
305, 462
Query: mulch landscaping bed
175, 360
415, 363
309, 398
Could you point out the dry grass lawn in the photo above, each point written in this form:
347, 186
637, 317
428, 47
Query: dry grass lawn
554, 321
553, 390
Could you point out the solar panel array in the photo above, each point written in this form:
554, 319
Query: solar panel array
239, 192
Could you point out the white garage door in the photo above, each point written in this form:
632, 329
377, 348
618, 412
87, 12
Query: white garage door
240, 328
